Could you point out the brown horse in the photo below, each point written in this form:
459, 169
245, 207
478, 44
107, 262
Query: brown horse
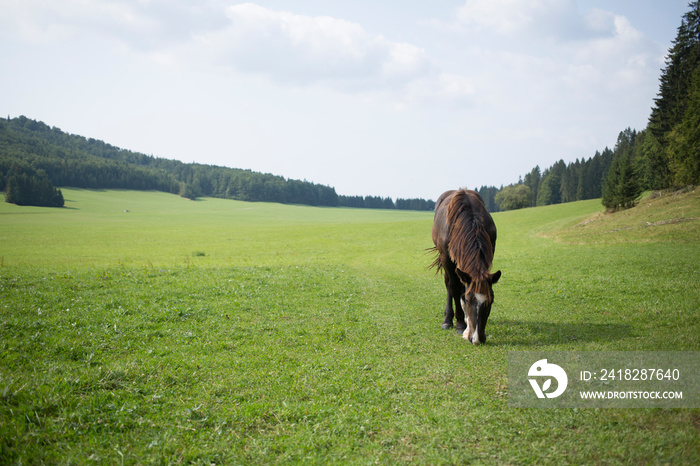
465, 239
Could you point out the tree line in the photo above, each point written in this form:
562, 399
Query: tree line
666, 154
45, 153
576, 181
376, 202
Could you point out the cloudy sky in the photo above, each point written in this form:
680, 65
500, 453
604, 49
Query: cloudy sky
372, 97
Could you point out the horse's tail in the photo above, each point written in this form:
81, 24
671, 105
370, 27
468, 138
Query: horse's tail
470, 246
437, 263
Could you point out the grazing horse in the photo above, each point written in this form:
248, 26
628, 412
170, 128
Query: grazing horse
465, 239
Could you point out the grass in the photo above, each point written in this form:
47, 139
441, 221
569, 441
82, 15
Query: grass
668, 217
234, 333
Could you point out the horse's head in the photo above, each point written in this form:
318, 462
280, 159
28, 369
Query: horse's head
476, 303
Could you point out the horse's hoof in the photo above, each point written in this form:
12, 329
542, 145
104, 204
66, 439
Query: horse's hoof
446, 326
460, 331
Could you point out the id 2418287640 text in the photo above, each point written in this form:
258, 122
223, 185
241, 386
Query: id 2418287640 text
631, 374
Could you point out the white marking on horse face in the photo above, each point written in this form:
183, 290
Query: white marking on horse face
471, 337
471, 334
481, 298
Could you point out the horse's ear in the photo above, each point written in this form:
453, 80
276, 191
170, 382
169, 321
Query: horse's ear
463, 277
495, 277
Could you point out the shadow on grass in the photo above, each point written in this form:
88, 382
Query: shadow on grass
526, 333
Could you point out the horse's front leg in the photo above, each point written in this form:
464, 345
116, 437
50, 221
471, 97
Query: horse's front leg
455, 289
461, 324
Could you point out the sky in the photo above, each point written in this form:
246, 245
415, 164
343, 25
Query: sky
398, 99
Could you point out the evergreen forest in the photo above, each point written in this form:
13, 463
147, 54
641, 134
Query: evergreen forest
664, 155
37, 155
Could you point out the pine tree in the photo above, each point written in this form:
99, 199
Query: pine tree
622, 188
549, 189
532, 180
610, 190
581, 183
684, 140
682, 59
674, 119
652, 163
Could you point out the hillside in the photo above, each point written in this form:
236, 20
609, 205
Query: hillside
660, 217
76, 161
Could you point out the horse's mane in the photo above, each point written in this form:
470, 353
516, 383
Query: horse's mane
470, 245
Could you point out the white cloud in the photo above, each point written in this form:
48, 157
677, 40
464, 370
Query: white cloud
292, 48
555, 51
621, 63
511, 17
286, 47
442, 89
144, 24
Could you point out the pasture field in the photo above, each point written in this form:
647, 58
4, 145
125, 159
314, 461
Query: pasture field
144, 328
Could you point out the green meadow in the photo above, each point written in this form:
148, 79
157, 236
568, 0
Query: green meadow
144, 328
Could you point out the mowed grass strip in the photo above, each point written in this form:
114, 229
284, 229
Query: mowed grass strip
226, 332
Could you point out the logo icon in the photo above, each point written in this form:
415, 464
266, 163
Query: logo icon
544, 369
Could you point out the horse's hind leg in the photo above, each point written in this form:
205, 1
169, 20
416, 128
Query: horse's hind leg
449, 312
449, 270
455, 289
